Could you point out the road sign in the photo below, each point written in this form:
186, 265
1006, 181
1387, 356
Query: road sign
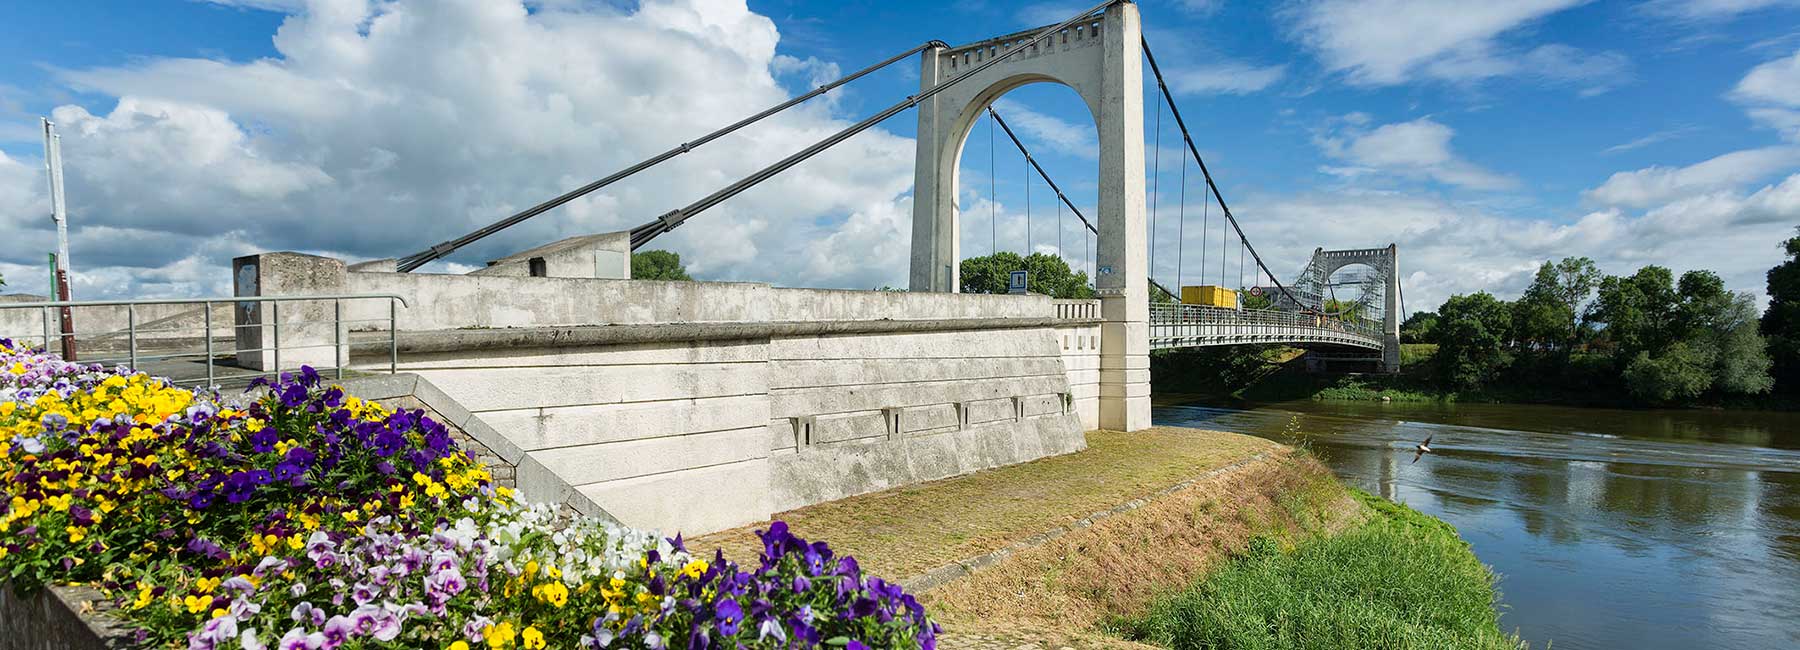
1255, 291
1015, 284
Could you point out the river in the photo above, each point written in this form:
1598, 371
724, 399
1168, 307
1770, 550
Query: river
1609, 528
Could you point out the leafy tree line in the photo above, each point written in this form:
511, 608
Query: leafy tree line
1651, 336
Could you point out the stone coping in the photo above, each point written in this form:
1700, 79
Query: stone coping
417, 342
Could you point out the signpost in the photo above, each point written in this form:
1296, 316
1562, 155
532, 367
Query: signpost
1015, 283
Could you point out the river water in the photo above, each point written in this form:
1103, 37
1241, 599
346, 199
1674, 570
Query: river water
1609, 528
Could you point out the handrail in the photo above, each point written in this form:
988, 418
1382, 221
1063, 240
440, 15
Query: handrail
272, 323
184, 301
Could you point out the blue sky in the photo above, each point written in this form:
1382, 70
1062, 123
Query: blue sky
1483, 138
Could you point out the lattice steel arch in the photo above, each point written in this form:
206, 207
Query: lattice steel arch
1382, 287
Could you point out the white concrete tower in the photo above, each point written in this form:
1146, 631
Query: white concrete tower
1102, 60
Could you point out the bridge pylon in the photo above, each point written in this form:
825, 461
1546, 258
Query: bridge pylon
1101, 58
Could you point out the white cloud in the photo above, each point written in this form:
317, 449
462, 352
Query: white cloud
1772, 91
382, 128
1416, 149
1653, 138
1713, 10
1654, 185
1069, 138
1449, 247
1388, 42
1226, 78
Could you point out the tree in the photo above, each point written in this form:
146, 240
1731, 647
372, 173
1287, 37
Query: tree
1420, 327
1741, 363
1781, 323
1472, 332
1549, 314
1636, 311
657, 265
1045, 274
1678, 373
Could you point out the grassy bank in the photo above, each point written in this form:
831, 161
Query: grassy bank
1401, 579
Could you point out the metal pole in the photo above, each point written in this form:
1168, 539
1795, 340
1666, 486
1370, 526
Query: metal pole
58, 204
209, 344
275, 333
131, 333
393, 337
46, 318
337, 336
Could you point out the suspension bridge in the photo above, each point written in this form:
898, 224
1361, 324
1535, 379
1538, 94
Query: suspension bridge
704, 405
1100, 54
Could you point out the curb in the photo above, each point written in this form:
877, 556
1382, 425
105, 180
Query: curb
947, 573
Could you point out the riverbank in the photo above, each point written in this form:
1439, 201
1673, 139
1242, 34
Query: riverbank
1363, 588
1069, 551
1270, 374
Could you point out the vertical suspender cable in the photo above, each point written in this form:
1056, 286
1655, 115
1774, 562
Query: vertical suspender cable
1205, 218
1155, 185
1027, 203
1175, 112
1180, 228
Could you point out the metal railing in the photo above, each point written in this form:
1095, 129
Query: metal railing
1179, 325
163, 346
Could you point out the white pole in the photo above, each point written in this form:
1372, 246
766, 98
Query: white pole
58, 208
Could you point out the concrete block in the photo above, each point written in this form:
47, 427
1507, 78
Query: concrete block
541, 428
497, 389
691, 502
589, 464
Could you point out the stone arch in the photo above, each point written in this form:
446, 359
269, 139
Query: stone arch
1101, 59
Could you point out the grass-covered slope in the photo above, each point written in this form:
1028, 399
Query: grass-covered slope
1400, 580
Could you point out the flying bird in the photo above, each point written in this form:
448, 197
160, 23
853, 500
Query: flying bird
1422, 449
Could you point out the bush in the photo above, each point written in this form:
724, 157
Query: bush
311, 519
1402, 580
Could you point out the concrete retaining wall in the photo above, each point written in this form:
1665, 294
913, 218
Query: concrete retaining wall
698, 406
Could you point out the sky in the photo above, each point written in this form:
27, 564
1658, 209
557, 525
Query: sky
1481, 138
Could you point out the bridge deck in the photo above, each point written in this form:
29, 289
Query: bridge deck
1186, 326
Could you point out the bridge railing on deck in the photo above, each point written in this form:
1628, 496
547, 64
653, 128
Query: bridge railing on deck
1179, 325
209, 341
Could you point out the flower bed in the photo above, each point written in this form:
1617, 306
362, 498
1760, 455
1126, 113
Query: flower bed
310, 519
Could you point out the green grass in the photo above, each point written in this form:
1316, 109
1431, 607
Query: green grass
1400, 580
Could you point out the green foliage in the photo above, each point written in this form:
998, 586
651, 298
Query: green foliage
1635, 310
657, 265
1548, 315
1472, 333
1046, 274
1252, 301
1781, 323
1401, 580
1677, 373
1420, 327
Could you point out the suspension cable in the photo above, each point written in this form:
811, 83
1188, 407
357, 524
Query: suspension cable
1175, 112
1064, 200
1028, 208
993, 196
674, 218
416, 260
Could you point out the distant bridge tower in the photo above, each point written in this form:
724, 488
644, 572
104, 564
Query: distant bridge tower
1101, 59
1381, 285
